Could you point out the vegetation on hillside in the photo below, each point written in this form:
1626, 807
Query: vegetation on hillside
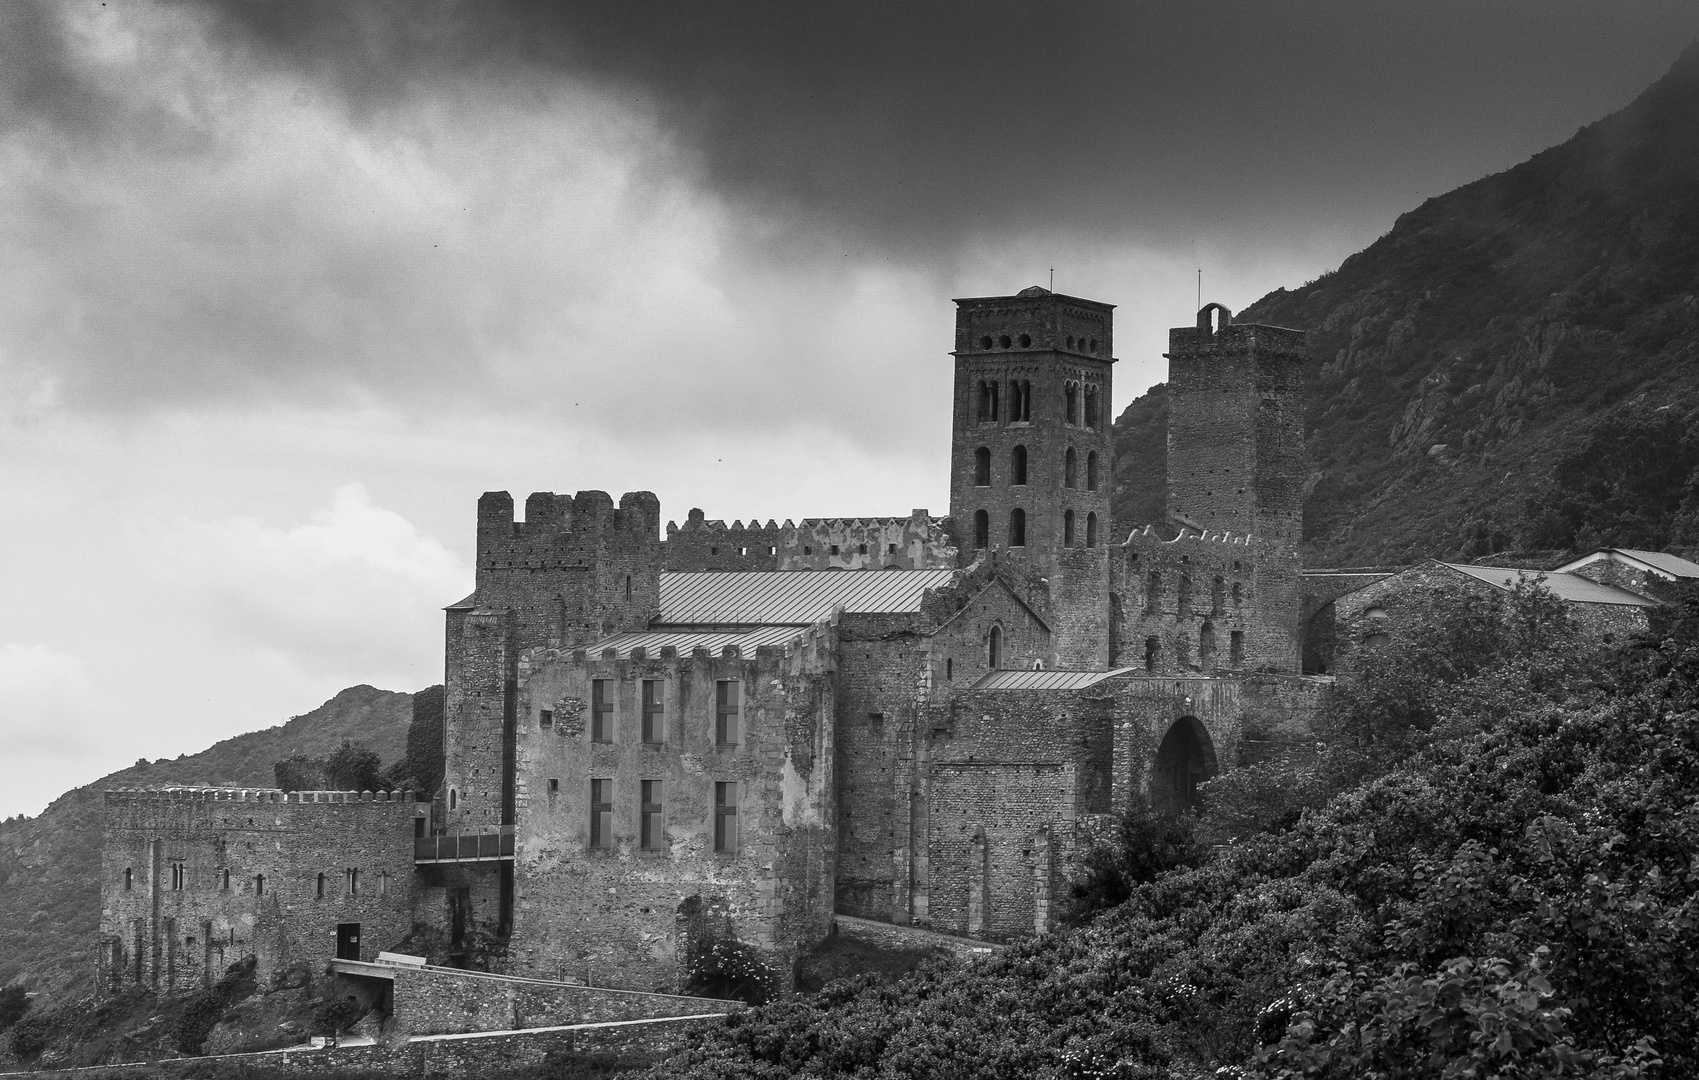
1494, 877
1459, 364
50, 864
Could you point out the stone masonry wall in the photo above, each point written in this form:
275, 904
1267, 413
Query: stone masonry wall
1191, 596
196, 879
917, 542
624, 916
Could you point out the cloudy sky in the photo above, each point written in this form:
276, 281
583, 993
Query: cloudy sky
286, 285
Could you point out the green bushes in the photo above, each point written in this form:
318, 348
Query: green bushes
202, 1012
14, 1003
1518, 897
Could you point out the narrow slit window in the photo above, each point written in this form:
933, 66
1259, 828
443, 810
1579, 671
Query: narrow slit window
319, 892
653, 823
654, 713
725, 817
601, 814
129, 879
726, 712
994, 648
601, 711
353, 881
259, 884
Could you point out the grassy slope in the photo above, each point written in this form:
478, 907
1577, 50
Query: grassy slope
50, 864
1456, 359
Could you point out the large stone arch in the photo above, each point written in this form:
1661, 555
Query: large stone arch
1185, 758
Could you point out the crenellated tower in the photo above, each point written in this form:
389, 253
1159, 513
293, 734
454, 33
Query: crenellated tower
1031, 453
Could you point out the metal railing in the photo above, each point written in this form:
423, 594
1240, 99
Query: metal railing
485, 845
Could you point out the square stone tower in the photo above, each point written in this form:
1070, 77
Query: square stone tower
1031, 454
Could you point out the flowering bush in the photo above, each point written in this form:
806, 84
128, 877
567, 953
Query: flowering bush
725, 968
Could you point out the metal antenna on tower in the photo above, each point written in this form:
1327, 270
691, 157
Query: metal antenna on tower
1200, 288
1052, 279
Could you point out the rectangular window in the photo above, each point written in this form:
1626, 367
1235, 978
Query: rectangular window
554, 787
601, 813
654, 818
353, 882
725, 712
546, 720
725, 817
1236, 648
178, 876
654, 713
601, 710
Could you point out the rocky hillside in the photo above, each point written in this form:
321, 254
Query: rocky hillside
1514, 366
50, 864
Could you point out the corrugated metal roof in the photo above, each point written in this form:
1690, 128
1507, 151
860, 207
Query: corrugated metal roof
1663, 560
685, 641
793, 597
1044, 680
1570, 587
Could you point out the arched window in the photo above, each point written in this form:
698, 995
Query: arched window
994, 648
1020, 401
224, 879
129, 879
1071, 403
988, 402
1152, 653
259, 884
453, 798
321, 886
628, 586
1017, 465
1017, 527
1068, 461
1091, 408
982, 467
1091, 530
1067, 528
1091, 471
981, 530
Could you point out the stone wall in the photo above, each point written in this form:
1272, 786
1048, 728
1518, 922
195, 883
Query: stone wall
195, 879
917, 542
1145, 709
1194, 605
621, 915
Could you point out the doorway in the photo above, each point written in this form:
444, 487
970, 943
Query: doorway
1185, 759
348, 941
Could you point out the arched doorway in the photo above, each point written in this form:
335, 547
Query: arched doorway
1185, 759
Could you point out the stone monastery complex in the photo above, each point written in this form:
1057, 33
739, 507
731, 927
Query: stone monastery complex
747, 731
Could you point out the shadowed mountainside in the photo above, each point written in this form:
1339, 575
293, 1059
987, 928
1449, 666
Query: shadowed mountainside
1515, 365
50, 864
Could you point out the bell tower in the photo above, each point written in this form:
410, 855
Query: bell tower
1031, 454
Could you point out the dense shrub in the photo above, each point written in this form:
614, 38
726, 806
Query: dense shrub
14, 1003
1517, 899
31, 1035
728, 969
202, 1012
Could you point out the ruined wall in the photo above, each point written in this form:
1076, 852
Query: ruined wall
1206, 589
217, 874
917, 542
624, 916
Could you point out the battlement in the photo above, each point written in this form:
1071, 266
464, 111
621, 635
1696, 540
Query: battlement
563, 526
1217, 332
253, 795
1149, 536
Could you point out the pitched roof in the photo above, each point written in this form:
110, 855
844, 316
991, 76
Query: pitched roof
1571, 587
1044, 680
686, 641
1674, 565
789, 597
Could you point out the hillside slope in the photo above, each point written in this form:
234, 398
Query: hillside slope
1516, 363
50, 864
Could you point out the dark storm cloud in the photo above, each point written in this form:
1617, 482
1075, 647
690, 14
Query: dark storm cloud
906, 126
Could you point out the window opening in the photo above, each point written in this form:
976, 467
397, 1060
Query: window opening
652, 826
1206, 646
981, 529
1238, 594
1017, 527
1020, 401
546, 719
1236, 648
601, 711
601, 813
1091, 471
994, 648
320, 891
949, 674
1217, 596
1091, 408
1091, 530
259, 884
1067, 528
1071, 402
725, 817
554, 787
1152, 650
1068, 462
1017, 465
224, 879
988, 401
129, 879
353, 882
982, 467
726, 712
178, 876
654, 713
1026, 341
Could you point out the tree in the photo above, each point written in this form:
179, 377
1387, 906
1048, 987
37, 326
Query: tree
14, 1002
354, 767
421, 769
298, 772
